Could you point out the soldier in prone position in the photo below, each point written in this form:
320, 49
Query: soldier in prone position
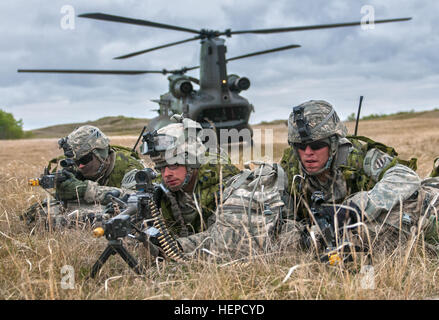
189, 176
377, 188
99, 169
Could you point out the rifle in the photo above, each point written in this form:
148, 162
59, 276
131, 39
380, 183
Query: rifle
140, 220
49, 180
324, 217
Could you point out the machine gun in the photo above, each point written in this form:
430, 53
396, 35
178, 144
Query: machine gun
140, 220
49, 180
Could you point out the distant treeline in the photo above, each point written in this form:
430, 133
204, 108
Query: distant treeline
10, 128
397, 115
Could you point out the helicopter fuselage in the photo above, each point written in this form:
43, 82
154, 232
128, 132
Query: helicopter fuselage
217, 102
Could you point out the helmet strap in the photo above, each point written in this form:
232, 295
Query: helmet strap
331, 160
106, 166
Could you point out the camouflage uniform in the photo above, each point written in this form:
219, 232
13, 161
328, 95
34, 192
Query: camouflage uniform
190, 212
206, 195
368, 176
248, 223
115, 176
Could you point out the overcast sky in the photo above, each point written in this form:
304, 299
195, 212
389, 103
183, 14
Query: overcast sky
394, 66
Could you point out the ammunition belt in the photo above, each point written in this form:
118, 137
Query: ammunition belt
167, 242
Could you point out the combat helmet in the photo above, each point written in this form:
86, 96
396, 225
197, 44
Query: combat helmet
84, 140
176, 143
316, 120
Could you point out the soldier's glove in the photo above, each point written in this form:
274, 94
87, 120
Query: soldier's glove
71, 188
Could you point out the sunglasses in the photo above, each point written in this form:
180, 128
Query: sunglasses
315, 145
85, 159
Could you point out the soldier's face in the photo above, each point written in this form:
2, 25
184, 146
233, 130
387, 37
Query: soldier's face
173, 176
313, 160
90, 168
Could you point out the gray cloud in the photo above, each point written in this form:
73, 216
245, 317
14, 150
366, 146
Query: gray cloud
395, 66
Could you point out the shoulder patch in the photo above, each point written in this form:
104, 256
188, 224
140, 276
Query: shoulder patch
375, 162
129, 181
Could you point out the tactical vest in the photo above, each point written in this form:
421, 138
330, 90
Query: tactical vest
247, 222
125, 161
207, 196
353, 171
349, 162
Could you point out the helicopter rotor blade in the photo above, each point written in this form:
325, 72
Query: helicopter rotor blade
292, 46
320, 26
109, 17
123, 72
156, 48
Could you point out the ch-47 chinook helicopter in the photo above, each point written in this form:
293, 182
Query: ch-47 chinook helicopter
217, 101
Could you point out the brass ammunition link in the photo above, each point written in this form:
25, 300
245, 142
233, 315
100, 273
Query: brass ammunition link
167, 242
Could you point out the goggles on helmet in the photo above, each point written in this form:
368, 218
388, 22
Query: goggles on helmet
153, 143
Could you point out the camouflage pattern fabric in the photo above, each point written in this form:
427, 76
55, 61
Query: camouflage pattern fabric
435, 171
373, 180
250, 221
124, 163
230, 237
186, 147
322, 122
353, 171
409, 221
85, 139
94, 199
205, 196
53, 215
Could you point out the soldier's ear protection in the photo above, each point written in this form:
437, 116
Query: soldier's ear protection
302, 124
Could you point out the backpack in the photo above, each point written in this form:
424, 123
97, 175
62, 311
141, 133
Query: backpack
257, 190
250, 215
369, 144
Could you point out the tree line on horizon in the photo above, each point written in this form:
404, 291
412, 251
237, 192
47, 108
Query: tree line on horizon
10, 128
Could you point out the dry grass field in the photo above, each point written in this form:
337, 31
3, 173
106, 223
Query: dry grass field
31, 264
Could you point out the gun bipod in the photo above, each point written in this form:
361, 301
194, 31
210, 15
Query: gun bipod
116, 247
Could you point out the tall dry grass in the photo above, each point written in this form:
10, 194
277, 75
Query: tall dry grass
31, 262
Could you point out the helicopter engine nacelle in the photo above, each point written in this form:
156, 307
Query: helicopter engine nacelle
180, 86
237, 83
